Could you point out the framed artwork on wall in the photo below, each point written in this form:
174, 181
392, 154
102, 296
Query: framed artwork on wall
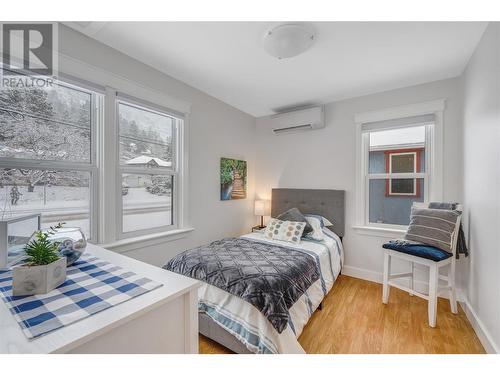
233, 179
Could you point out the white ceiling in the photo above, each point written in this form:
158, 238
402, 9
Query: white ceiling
349, 59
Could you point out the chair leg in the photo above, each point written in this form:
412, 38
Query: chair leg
451, 285
433, 289
412, 286
387, 272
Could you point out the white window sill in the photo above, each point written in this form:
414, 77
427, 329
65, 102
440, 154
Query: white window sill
138, 242
379, 231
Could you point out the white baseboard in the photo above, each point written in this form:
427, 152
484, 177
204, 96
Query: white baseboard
362, 273
422, 286
481, 331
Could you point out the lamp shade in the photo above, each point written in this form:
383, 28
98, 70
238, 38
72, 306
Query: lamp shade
262, 207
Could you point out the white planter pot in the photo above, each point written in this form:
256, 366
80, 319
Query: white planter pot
29, 280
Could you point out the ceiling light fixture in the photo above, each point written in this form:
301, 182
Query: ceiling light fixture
289, 40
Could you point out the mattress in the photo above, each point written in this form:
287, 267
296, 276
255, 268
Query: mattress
248, 326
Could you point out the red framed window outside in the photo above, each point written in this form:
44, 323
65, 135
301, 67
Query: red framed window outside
389, 186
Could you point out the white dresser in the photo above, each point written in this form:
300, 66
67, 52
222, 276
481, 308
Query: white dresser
164, 320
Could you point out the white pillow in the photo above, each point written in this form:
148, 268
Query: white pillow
289, 231
316, 224
324, 221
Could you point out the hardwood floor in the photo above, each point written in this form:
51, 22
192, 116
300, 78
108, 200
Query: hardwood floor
354, 320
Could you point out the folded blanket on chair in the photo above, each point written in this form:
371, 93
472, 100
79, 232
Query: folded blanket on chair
461, 244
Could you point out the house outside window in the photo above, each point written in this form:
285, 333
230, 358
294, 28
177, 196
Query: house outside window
399, 163
403, 161
394, 153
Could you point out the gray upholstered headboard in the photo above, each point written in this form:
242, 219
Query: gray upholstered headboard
327, 203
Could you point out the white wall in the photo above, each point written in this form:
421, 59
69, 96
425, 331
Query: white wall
216, 130
325, 158
481, 180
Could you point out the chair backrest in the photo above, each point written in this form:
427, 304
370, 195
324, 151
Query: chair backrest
459, 208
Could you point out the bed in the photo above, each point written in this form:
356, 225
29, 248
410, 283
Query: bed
245, 327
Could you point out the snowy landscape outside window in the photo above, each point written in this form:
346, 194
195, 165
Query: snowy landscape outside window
47, 153
147, 138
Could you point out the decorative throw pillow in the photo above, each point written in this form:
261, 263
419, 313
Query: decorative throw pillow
317, 225
293, 214
433, 227
324, 221
290, 231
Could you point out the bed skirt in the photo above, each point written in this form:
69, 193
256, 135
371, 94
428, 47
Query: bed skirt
215, 332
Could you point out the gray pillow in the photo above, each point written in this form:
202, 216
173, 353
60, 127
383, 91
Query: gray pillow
433, 227
293, 214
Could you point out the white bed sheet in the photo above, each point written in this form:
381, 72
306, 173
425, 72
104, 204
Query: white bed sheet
250, 326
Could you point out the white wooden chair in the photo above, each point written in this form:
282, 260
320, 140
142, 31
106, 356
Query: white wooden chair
434, 276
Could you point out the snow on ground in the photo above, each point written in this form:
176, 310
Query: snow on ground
141, 197
131, 222
146, 220
50, 197
71, 205
70, 197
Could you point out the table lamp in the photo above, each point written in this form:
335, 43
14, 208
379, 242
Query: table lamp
262, 208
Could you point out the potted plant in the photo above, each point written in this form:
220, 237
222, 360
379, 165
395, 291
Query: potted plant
43, 269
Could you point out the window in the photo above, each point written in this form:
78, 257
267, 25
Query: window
147, 137
94, 158
394, 182
404, 161
47, 153
399, 163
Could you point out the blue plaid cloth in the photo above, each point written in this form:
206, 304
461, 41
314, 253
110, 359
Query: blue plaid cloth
92, 285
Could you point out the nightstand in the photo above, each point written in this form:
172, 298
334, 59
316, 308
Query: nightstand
258, 228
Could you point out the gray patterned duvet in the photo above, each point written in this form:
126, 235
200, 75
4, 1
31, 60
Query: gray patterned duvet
270, 277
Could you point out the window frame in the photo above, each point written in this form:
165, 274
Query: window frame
103, 206
105, 170
121, 169
97, 107
367, 176
416, 152
433, 175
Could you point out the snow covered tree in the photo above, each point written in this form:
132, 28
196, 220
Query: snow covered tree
20, 130
141, 137
44, 124
160, 185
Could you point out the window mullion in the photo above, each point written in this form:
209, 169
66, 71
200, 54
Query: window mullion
108, 160
145, 170
384, 176
44, 164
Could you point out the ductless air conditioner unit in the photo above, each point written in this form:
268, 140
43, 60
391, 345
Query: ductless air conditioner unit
303, 119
